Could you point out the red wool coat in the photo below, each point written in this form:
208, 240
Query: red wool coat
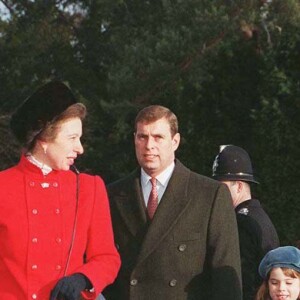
36, 223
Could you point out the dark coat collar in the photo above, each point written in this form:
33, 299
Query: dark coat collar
172, 205
248, 203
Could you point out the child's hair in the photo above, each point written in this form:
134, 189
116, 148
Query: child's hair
263, 291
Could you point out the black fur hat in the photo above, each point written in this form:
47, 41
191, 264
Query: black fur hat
233, 163
42, 107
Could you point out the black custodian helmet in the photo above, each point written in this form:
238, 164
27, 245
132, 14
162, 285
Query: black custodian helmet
233, 163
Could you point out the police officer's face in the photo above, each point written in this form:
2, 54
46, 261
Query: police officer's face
233, 188
61, 153
154, 146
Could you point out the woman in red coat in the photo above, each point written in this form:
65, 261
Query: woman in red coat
55, 226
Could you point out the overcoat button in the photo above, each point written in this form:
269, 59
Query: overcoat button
55, 184
34, 240
35, 211
34, 267
133, 282
34, 296
58, 267
31, 183
182, 247
173, 282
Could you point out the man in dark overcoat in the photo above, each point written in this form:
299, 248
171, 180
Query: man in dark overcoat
175, 230
257, 234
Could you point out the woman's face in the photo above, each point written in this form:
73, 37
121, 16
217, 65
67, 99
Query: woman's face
61, 153
282, 287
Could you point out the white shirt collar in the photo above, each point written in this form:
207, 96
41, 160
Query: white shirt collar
163, 178
162, 182
44, 168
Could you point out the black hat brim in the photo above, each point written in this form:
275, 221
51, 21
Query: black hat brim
235, 177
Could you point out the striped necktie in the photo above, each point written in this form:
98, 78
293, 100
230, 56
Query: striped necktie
153, 199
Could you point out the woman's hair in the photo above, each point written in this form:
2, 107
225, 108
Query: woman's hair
263, 291
77, 110
153, 113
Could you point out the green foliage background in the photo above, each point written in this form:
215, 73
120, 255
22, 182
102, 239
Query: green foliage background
230, 70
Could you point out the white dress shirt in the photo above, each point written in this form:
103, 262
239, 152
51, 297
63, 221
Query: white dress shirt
162, 182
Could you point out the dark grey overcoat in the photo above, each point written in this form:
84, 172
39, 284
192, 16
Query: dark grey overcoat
190, 250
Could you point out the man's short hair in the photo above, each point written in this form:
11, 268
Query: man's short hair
153, 113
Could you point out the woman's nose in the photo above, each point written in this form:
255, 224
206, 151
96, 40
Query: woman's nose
79, 148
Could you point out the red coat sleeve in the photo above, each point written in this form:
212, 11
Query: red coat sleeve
102, 259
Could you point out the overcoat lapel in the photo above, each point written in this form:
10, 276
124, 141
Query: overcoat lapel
130, 204
172, 205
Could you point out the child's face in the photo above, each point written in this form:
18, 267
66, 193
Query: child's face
282, 287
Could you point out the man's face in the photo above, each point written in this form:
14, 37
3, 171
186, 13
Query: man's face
154, 146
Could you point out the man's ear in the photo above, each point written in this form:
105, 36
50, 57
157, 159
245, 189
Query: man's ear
240, 186
176, 141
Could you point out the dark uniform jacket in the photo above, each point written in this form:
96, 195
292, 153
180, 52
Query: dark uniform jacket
257, 236
189, 250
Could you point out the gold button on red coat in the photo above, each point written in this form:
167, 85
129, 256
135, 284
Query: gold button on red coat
35, 211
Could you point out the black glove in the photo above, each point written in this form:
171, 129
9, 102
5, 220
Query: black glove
69, 288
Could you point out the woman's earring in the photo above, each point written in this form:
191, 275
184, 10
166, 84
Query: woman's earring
45, 151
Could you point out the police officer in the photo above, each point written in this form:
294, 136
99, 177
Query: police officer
257, 234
